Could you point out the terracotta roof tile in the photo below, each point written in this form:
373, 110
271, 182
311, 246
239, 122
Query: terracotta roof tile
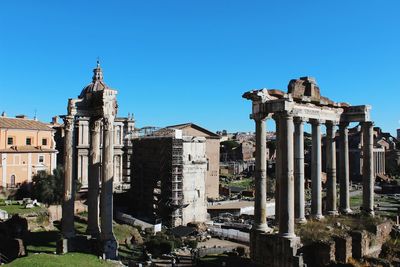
19, 123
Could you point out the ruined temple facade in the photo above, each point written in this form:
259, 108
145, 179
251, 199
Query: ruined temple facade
302, 104
94, 110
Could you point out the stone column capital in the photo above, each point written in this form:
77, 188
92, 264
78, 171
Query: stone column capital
299, 120
108, 123
259, 118
316, 122
331, 123
343, 124
95, 125
367, 123
68, 123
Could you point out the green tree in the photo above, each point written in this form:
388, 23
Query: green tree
48, 188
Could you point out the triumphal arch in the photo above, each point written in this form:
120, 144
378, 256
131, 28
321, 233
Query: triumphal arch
97, 105
302, 104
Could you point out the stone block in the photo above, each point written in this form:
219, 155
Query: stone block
343, 248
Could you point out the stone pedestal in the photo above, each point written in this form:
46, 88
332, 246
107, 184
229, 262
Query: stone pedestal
299, 170
316, 171
331, 195
344, 169
107, 236
260, 202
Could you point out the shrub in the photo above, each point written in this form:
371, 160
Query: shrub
191, 243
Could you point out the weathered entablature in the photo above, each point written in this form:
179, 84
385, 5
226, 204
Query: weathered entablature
303, 103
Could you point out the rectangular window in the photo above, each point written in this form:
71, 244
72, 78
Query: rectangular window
28, 141
41, 159
44, 142
10, 140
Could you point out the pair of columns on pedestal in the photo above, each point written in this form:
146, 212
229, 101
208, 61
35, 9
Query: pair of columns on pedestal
289, 201
107, 173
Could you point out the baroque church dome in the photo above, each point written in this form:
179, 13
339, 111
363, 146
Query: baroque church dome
97, 83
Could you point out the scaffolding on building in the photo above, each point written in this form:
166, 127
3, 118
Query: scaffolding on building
177, 181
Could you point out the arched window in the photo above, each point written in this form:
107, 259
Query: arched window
12, 181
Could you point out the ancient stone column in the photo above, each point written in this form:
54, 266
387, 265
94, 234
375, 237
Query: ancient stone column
260, 204
67, 221
286, 202
94, 179
277, 165
331, 197
299, 169
316, 171
107, 236
344, 169
368, 168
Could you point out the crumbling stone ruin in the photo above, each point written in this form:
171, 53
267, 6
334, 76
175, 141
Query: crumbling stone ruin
303, 103
97, 104
12, 233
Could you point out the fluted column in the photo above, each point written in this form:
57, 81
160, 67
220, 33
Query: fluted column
286, 202
277, 165
299, 169
260, 205
67, 221
331, 197
107, 235
94, 179
344, 169
316, 171
368, 168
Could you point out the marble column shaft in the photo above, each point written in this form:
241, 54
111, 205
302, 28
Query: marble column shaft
368, 168
331, 195
299, 169
286, 202
107, 182
277, 166
316, 171
260, 205
94, 179
344, 169
68, 205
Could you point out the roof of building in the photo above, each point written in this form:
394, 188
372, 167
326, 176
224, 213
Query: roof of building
22, 123
195, 126
27, 149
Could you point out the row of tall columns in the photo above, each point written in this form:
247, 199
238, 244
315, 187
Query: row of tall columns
379, 162
107, 174
289, 199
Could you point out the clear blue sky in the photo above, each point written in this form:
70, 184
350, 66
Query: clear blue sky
180, 61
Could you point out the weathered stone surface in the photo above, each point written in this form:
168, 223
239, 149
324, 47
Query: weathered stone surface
343, 248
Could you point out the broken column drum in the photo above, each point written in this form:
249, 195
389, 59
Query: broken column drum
303, 103
96, 104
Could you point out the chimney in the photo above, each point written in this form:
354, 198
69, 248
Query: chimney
21, 116
54, 120
3, 114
